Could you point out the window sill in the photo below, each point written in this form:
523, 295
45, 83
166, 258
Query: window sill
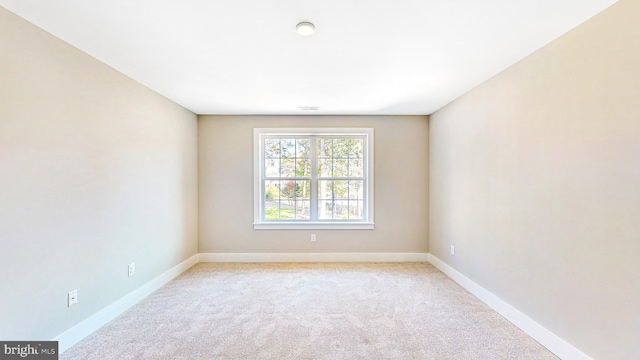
313, 226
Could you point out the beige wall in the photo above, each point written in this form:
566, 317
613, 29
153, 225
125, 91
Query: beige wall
96, 171
535, 177
226, 187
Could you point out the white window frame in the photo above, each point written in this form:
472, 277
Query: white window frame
259, 223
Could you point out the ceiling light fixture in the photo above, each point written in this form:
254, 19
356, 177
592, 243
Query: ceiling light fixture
305, 28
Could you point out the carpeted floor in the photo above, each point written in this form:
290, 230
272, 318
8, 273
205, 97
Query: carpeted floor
310, 311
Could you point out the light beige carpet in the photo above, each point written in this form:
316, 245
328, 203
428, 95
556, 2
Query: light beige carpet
310, 311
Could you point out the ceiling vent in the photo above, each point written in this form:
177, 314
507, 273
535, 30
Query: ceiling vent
308, 108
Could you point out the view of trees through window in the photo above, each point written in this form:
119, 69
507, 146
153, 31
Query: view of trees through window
338, 179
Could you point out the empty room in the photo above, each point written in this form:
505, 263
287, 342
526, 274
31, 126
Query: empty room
409, 179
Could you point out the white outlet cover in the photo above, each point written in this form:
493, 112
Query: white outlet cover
132, 269
72, 298
453, 250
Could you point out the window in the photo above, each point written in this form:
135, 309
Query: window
313, 178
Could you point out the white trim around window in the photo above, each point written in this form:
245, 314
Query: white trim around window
313, 178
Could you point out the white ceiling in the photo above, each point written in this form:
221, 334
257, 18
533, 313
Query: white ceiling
366, 57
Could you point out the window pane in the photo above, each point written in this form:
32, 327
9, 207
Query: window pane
288, 168
303, 167
302, 209
341, 209
303, 189
356, 210
325, 209
271, 211
287, 190
287, 199
341, 189
303, 149
288, 148
271, 190
325, 147
325, 189
272, 200
325, 167
356, 190
272, 148
355, 168
340, 148
271, 167
340, 167
355, 148
303, 162
286, 211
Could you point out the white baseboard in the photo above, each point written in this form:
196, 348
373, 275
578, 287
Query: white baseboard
70, 337
314, 257
546, 338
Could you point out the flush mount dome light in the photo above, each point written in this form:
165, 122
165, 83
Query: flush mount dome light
305, 28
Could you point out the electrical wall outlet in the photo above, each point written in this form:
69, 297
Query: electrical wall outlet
453, 250
313, 237
132, 269
72, 298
